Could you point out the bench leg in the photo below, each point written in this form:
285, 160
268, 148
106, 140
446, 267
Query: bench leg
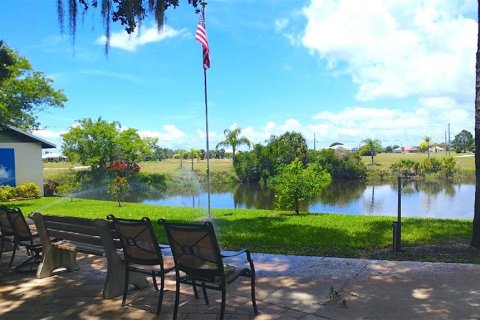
54, 258
116, 278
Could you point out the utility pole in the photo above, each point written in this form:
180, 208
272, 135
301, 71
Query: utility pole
446, 148
449, 139
314, 142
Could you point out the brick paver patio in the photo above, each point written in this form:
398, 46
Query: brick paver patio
288, 287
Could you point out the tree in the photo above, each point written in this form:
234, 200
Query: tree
194, 153
336, 144
373, 146
233, 139
96, 143
463, 141
287, 147
426, 142
131, 147
23, 91
475, 241
130, 13
296, 183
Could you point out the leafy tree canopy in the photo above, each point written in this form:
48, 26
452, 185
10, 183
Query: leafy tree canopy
23, 91
336, 144
295, 184
95, 143
130, 13
463, 141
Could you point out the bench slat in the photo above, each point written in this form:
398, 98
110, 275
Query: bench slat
75, 237
89, 230
68, 220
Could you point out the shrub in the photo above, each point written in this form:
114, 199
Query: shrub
345, 166
7, 193
27, 190
449, 167
431, 165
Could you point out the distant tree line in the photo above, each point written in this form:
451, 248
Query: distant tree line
265, 161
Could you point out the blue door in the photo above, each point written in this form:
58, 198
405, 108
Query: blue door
7, 167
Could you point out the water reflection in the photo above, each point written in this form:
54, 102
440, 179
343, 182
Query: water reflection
421, 199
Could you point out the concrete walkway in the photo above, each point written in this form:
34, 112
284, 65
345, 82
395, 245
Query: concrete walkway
288, 287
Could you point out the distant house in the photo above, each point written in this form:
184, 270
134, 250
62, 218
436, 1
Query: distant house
53, 157
21, 157
405, 149
437, 149
339, 148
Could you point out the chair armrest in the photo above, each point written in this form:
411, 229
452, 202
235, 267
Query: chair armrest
234, 254
163, 246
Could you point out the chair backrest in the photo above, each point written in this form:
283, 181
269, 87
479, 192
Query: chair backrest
195, 248
138, 240
5, 226
20, 227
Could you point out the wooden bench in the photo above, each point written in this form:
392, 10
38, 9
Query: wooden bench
62, 237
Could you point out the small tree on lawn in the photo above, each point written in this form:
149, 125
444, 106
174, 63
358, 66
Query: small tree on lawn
296, 183
118, 188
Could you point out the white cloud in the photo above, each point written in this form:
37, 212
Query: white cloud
124, 41
51, 136
170, 133
396, 48
430, 116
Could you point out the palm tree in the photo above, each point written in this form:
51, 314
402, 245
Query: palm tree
427, 140
194, 153
373, 146
233, 139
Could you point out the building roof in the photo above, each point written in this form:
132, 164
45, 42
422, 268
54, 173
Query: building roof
23, 136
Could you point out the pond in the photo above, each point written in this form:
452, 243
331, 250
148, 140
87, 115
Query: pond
419, 199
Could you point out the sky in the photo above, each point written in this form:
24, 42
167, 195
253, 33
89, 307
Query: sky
337, 70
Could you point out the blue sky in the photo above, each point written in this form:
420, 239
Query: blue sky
346, 70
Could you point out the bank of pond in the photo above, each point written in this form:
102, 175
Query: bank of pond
271, 231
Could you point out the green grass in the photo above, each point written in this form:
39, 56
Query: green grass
167, 167
277, 232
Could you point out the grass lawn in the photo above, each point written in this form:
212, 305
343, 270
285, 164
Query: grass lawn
285, 233
167, 167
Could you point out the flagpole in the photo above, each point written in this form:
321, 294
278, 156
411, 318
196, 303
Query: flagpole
203, 4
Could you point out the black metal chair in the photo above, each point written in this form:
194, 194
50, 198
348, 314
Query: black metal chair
141, 252
196, 254
7, 240
24, 237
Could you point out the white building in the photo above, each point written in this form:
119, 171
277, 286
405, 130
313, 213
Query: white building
21, 157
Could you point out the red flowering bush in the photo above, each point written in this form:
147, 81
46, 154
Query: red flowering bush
121, 168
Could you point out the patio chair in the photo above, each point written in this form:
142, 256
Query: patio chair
24, 237
141, 251
197, 255
7, 240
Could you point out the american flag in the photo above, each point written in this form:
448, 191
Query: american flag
201, 36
